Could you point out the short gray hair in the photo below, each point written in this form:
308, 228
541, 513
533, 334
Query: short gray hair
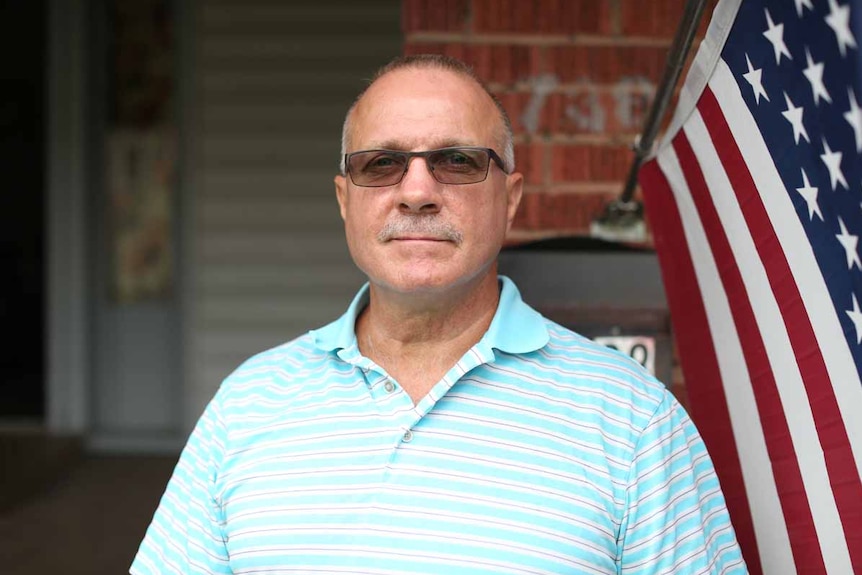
440, 62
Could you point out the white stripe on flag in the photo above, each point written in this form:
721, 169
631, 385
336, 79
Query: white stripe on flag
773, 541
824, 321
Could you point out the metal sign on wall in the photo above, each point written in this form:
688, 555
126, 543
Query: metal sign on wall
639, 347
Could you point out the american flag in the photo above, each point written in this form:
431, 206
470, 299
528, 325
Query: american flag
755, 202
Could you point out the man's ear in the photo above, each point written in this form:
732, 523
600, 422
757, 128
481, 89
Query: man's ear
514, 191
341, 194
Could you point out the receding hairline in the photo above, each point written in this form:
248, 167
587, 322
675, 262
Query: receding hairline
445, 64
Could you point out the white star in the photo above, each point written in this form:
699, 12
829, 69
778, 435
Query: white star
794, 115
849, 242
753, 77
854, 117
814, 73
839, 20
856, 317
833, 164
810, 195
800, 4
775, 34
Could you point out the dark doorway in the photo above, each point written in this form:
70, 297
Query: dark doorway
22, 207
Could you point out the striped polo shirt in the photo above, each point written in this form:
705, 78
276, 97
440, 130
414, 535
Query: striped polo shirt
539, 452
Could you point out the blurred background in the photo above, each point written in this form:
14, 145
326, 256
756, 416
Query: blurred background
168, 210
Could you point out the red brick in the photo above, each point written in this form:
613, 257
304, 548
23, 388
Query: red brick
525, 18
515, 104
542, 16
566, 212
658, 18
478, 17
606, 64
459, 15
480, 59
530, 161
537, 58
459, 51
590, 109
570, 163
549, 16
435, 15
519, 223
501, 64
412, 48
507, 15
411, 15
529, 212
509, 63
494, 20
585, 163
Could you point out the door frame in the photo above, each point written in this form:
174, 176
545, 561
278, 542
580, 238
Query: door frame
67, 322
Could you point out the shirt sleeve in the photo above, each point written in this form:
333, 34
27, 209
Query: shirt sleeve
185, 535
676, 520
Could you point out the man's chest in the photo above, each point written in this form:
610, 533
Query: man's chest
452, 492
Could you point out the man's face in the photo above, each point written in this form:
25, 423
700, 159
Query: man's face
420, 235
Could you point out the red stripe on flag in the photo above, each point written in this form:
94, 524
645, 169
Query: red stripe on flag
697, 354
840, 463
788, 478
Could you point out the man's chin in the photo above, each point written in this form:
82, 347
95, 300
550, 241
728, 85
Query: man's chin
425, 281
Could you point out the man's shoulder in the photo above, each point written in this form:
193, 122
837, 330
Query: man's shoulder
581, 365
299, 349
291, 361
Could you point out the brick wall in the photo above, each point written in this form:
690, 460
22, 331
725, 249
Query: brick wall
577, 78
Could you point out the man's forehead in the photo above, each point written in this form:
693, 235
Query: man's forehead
424, 106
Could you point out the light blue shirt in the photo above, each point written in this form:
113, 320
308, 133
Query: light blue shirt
538, 452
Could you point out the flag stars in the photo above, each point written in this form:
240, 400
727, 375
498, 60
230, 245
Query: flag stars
854, 118
794, 116
809, 193
775, 35
814, 73
800, 4
754, 77
833, 164
856, 317
839, 20
849, 243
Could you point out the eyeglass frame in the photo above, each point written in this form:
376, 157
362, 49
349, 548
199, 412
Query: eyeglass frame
492, 155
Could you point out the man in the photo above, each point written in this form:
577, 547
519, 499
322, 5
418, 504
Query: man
441, 425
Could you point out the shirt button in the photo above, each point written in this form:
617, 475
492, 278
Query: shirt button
389, 386
408, 436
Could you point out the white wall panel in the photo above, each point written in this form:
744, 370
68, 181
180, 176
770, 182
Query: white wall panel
272, 81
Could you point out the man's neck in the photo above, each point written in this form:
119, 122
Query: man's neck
417, 340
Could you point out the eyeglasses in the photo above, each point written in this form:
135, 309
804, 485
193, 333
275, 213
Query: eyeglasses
461, 165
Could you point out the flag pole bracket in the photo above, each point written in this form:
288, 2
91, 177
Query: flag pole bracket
622, 220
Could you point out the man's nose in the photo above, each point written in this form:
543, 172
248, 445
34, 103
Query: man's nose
418, 191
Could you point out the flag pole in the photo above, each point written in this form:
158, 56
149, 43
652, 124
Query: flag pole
624, 214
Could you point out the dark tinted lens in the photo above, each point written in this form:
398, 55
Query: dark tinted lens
376, 168
459, 165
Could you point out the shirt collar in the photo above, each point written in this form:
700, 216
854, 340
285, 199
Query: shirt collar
516, 327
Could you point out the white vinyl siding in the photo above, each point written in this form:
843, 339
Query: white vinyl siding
271, 83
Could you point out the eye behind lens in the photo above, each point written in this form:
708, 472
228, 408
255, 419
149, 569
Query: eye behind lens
460, 160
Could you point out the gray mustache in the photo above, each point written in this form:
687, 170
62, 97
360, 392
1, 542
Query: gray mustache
420, 225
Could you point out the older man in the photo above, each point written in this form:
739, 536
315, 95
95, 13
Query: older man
440, 425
